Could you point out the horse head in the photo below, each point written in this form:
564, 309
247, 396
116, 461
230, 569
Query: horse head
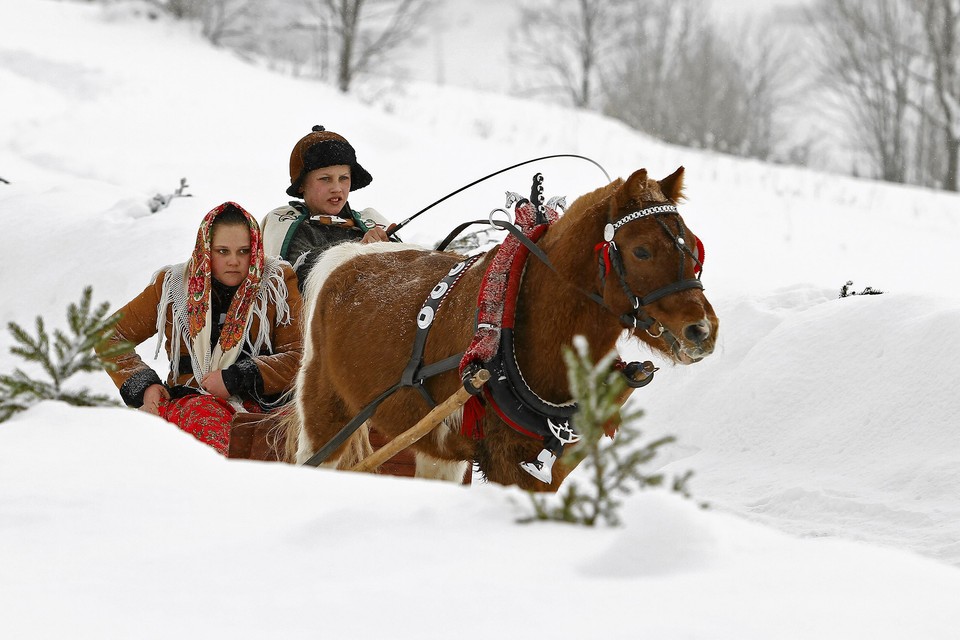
650, 264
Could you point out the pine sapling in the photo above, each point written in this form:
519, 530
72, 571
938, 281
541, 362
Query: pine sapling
615, 467
846, 291
162, 201
61, 357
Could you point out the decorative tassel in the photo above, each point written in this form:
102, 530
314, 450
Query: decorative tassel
603, 248
473, 415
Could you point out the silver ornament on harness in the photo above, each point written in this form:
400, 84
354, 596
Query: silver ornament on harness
563, 432
425, 319
557, 203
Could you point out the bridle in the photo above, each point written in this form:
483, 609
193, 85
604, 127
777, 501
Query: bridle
609, 256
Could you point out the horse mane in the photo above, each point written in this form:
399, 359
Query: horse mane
635, 190
592, 199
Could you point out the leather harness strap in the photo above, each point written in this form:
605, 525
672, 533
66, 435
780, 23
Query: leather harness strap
415, 372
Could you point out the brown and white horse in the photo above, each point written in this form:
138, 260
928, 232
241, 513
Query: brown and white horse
362, 301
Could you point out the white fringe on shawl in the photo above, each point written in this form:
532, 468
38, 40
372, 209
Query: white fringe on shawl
273, 289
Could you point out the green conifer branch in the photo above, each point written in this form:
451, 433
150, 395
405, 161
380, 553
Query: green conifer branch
71, 354
615, 467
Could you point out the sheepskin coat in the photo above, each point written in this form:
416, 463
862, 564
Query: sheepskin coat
267, 362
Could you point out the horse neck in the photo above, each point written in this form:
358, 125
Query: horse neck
553, 307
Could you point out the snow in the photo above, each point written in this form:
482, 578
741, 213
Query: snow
821, 433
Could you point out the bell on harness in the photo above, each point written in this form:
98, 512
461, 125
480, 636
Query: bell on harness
542, 467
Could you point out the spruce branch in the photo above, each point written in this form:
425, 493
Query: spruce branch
60, 359
615, 465
846, 291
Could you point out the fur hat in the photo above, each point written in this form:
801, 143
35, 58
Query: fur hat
322, 148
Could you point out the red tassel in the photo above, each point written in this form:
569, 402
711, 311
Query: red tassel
473, 414
605, 247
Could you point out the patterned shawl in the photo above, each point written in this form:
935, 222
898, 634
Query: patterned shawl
199, 272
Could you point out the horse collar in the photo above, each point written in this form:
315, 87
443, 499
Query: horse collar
508, 393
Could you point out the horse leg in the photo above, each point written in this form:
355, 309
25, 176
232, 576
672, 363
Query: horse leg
439, 469
499, 455
442, 455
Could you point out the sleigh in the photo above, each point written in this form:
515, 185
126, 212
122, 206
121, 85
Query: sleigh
258, 437
252, 438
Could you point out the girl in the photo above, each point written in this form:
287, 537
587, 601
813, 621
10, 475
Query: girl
230, 317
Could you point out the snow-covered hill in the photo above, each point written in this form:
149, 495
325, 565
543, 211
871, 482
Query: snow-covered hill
822, 432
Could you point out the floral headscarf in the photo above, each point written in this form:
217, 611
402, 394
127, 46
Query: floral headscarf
199, 272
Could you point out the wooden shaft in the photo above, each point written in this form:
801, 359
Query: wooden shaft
427, 424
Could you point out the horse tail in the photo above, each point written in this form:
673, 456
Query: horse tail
289, 425
358, 448
284, 434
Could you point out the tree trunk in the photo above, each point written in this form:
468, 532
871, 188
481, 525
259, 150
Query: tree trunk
953, 165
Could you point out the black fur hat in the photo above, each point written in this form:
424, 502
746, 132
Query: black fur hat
322, 148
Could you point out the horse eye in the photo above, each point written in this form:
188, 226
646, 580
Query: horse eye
641, 253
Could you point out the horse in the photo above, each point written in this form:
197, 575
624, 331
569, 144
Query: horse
361, 303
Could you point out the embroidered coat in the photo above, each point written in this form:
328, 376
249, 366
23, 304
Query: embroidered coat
258, 349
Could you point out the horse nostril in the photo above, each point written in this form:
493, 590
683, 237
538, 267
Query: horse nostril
697, 332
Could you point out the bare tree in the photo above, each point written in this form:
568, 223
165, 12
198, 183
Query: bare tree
871, 59
181, 9
646, 66
364, 32
683, 80
224, 19
562, 44
220, 19
941, 26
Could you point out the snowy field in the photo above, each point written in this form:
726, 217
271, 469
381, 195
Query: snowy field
823, 431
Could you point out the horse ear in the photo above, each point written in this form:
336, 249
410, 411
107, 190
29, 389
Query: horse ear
672, 186
631, 193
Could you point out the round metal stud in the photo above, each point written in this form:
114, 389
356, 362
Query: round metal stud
608, 233
425, 319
